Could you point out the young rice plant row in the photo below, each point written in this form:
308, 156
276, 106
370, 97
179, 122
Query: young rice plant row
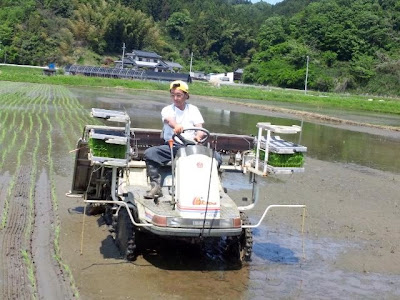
38, 128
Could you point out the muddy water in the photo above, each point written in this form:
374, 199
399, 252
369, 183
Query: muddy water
350, 245
365, 117
324, 142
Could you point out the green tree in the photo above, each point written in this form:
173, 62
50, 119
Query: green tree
177, 24
362, 68
89, 22
134, 28
329, 57
271, 33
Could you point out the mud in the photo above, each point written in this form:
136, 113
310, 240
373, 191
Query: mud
11, 242
50, 280
350, 247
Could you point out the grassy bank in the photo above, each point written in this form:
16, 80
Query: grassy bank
263, 94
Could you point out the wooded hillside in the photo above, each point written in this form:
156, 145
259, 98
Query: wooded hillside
351, 44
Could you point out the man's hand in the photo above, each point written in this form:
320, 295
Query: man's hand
178, 129
199, 136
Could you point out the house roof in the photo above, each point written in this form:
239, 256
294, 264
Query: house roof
127, 60
144, 54
173, 64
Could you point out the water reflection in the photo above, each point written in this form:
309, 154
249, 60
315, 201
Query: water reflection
274, 253
323, 142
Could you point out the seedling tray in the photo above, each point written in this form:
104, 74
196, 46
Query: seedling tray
276, 170
278, 145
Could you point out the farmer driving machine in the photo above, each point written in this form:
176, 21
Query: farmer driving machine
110, 175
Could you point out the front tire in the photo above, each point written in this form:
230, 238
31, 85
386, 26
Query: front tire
239, 248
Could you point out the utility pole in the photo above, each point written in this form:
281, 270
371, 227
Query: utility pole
191, 61
305, 85
123, 56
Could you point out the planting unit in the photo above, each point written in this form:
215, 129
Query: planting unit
109, 147
275, 155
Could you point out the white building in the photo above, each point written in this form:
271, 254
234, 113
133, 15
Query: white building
220, 78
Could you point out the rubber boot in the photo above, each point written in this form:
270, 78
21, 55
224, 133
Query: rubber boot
155, 182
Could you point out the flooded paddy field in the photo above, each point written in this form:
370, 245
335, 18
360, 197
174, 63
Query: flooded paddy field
350, 247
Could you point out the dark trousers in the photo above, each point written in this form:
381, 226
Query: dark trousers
161, 155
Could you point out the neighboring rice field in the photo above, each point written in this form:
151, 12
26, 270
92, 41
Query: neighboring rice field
36, 121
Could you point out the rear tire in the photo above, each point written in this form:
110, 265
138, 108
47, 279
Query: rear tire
125, 236
93, 209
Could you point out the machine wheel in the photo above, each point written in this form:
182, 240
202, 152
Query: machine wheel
93, 209
125, 236
240, 247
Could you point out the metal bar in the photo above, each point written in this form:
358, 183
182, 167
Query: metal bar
258, 147
266, 151
254, 193
113, 184
301, 131
116, 201
272, 206
128, 141
120, 203
248, 207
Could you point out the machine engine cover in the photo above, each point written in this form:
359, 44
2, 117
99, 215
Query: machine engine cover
196, 196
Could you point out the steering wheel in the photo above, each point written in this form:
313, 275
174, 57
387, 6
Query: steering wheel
178, 138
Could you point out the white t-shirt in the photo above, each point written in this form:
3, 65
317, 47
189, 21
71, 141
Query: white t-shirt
187, 118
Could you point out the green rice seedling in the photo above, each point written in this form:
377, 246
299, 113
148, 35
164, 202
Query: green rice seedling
103, 149
33, 174
61, 119
12, 129
79, 113
294, 160
6, 120
54, 199
72, 112
57, 257
11, 186
7, 150
31, 273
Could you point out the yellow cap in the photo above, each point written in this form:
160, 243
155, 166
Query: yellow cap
179, 85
